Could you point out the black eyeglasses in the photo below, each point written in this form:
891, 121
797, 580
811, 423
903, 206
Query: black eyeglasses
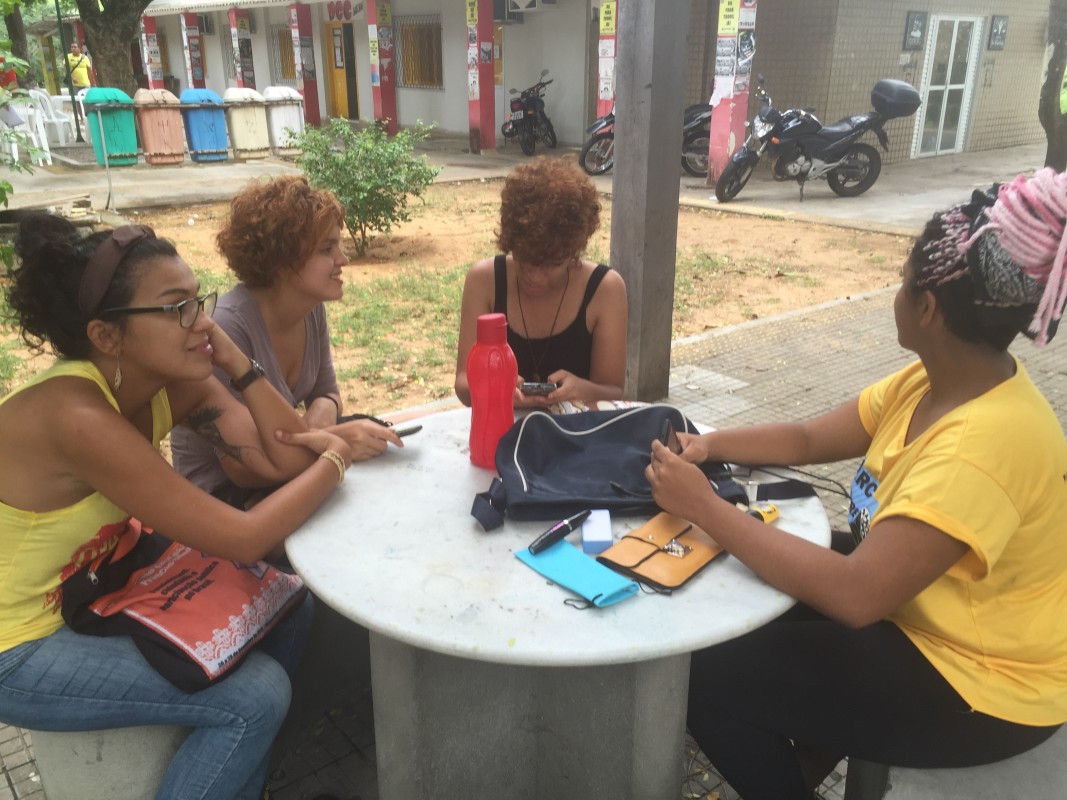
187, 310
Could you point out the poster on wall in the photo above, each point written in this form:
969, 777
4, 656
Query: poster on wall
915, 30
375, 73
606, 83
472, 84
607, 18
998, 33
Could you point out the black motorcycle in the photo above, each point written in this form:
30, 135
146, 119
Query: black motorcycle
804, 150
527, 118
598, 154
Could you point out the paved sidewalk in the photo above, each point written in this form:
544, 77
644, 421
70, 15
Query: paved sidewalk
784, 367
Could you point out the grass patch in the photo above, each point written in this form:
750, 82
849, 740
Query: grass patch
397, 343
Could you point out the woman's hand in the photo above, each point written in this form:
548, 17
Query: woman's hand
318, 442
677, 484
696, 448
366, 438
225, 353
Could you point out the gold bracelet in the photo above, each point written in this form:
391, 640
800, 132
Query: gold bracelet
335, 457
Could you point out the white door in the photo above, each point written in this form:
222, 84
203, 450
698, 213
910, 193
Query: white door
948, 85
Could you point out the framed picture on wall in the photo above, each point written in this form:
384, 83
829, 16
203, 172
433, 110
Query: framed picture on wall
998, 32
915, 30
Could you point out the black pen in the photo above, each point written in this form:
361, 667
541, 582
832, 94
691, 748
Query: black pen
558, 531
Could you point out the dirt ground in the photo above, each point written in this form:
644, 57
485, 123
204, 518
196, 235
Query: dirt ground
731, 268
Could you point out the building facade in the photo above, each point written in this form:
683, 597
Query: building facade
978, 64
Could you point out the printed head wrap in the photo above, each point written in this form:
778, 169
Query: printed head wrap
1011, 240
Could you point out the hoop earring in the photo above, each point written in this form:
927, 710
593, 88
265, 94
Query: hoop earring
118, 374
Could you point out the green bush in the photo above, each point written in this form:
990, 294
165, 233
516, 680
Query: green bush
371, 173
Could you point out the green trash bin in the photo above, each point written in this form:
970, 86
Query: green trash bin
112, 109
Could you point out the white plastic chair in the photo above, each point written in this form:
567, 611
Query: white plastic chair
32, 132
59, 121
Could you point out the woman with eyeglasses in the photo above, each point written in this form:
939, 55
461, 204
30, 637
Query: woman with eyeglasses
283, 242
79, 455
566, 314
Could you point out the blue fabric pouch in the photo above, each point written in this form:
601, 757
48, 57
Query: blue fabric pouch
565, 564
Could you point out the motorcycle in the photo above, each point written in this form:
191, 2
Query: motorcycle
804, 149
598, 154
527, 118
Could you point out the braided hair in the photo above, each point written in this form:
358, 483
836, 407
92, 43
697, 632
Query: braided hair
998, 264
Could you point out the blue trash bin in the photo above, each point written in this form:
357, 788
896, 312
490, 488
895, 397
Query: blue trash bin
205, 125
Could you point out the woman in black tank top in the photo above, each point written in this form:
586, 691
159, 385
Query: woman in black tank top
566, 315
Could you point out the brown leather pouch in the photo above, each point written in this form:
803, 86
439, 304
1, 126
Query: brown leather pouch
664, 553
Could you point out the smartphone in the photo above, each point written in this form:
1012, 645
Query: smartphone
538, 389
670, 438
410, 429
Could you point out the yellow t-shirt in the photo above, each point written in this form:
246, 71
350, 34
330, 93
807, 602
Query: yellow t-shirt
992, 473
79, 69
38, 550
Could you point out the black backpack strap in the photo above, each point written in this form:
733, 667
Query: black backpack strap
489, 506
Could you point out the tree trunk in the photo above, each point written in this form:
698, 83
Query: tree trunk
16, 30
1048, 110
109, 34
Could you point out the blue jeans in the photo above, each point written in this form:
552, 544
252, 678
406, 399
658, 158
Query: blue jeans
71, 682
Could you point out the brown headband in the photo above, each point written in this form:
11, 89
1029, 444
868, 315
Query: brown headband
105, 259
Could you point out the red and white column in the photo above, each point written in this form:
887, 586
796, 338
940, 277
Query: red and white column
481, 95
304, 60
382, 62
735, 48
192, 43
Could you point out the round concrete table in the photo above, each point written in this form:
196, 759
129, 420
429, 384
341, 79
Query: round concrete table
485, 683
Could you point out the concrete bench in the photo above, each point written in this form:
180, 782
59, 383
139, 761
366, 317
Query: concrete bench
114, 764
1038, 774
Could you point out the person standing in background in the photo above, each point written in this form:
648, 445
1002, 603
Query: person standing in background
81, 67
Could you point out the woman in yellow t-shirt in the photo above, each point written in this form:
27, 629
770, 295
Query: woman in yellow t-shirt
937, 638
79, 455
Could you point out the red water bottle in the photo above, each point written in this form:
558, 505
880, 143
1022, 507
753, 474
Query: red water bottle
491, 376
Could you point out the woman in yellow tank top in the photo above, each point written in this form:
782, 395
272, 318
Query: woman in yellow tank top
79, 455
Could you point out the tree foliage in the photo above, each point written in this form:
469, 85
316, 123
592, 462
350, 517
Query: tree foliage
371, 174
1052, 117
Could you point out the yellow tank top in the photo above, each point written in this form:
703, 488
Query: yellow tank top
38, 551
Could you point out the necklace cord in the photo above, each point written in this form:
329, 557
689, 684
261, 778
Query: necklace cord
551, 331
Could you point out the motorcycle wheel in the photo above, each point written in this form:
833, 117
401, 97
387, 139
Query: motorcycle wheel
862, 168
548, 133
695, 153
526, 140
598, 154
732, 180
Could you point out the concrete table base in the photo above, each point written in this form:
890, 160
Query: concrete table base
453, 728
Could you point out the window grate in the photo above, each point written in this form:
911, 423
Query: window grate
282, 57
418, 51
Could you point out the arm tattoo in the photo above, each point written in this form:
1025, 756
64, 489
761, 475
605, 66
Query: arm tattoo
202, 421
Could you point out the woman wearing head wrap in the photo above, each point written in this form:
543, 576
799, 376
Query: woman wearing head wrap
938, 641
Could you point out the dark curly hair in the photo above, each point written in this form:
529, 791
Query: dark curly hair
548, 211
43, 294
276, 225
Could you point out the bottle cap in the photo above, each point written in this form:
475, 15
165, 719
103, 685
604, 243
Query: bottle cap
492, 329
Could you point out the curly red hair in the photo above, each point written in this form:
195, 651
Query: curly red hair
548, 211
276, 225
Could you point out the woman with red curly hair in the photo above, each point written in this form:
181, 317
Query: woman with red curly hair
566, 315
283, 242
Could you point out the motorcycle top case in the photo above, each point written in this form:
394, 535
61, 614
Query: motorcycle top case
892, 98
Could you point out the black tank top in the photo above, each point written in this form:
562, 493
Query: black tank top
570, 349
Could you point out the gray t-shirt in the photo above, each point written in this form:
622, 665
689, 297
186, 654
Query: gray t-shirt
238, 314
